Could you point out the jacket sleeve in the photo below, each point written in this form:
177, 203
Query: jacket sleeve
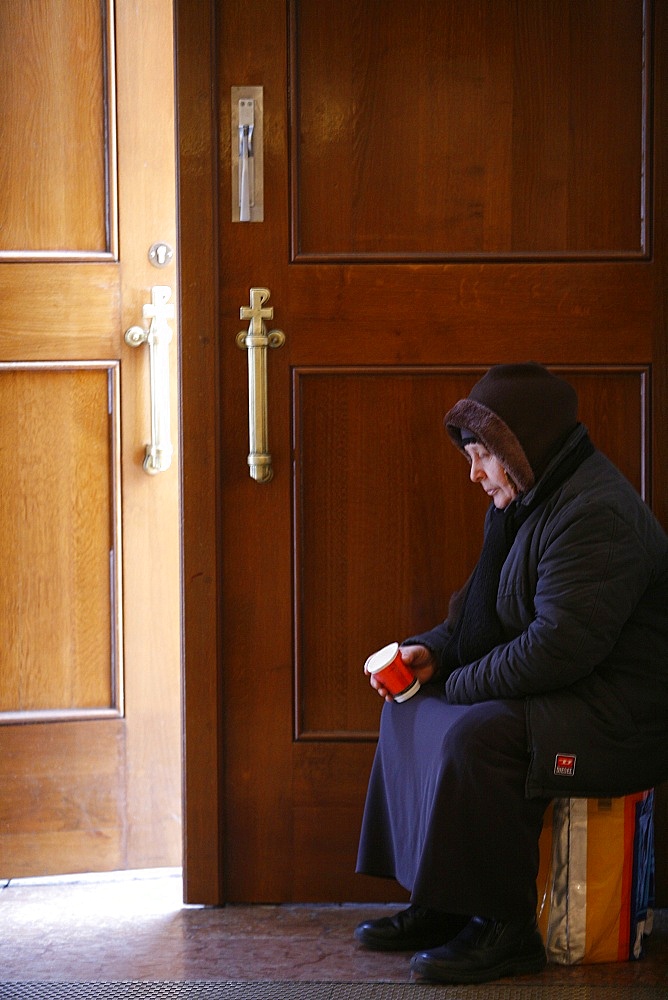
437, 639
591, 572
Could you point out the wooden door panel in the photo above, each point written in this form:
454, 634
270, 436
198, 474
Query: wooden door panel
427, 131
91, 626
448, 314
403, 261
57, 165
66, 312
60, 549
60, 807
386, 524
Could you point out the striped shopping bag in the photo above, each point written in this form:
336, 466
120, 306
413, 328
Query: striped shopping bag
596, 878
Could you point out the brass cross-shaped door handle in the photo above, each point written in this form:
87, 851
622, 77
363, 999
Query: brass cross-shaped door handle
256, 340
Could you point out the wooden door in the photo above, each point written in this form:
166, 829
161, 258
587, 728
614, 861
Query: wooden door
89, 549
447, 186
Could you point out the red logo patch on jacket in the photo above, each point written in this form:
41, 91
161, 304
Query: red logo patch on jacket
564, 764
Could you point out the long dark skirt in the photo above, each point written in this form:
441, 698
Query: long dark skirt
446, 813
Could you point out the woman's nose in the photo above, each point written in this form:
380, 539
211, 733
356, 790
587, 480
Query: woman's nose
476, 470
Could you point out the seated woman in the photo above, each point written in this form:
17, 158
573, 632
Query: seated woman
548, 678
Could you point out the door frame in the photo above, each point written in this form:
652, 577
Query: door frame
203, 678
203, 834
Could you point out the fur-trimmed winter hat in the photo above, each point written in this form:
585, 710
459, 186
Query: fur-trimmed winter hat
521, 414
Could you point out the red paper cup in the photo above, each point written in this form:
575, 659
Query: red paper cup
388, 667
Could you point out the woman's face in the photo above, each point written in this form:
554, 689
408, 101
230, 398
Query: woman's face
488, 471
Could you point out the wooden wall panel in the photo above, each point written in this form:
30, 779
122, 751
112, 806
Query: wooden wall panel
57, 145
511, 136
382, 504
59, 600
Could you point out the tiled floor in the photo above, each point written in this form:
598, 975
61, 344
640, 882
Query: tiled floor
116, 928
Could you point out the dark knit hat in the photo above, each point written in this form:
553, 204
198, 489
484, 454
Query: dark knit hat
521, 414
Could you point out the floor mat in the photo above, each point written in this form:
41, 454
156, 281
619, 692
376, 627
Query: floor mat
320, 991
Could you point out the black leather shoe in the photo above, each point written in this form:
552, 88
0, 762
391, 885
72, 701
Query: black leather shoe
413, 928
484, 950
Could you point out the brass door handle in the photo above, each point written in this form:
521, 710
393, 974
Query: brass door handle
256, 340
158, 337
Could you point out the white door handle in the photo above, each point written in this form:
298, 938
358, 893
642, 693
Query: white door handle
158, 337
246, 172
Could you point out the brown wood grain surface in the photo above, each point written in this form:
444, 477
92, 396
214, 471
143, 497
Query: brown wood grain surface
444, 189
90, 739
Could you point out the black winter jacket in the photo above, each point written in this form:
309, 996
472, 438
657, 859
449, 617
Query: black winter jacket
583, 601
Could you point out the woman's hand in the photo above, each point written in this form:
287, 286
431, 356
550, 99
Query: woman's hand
419, 661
